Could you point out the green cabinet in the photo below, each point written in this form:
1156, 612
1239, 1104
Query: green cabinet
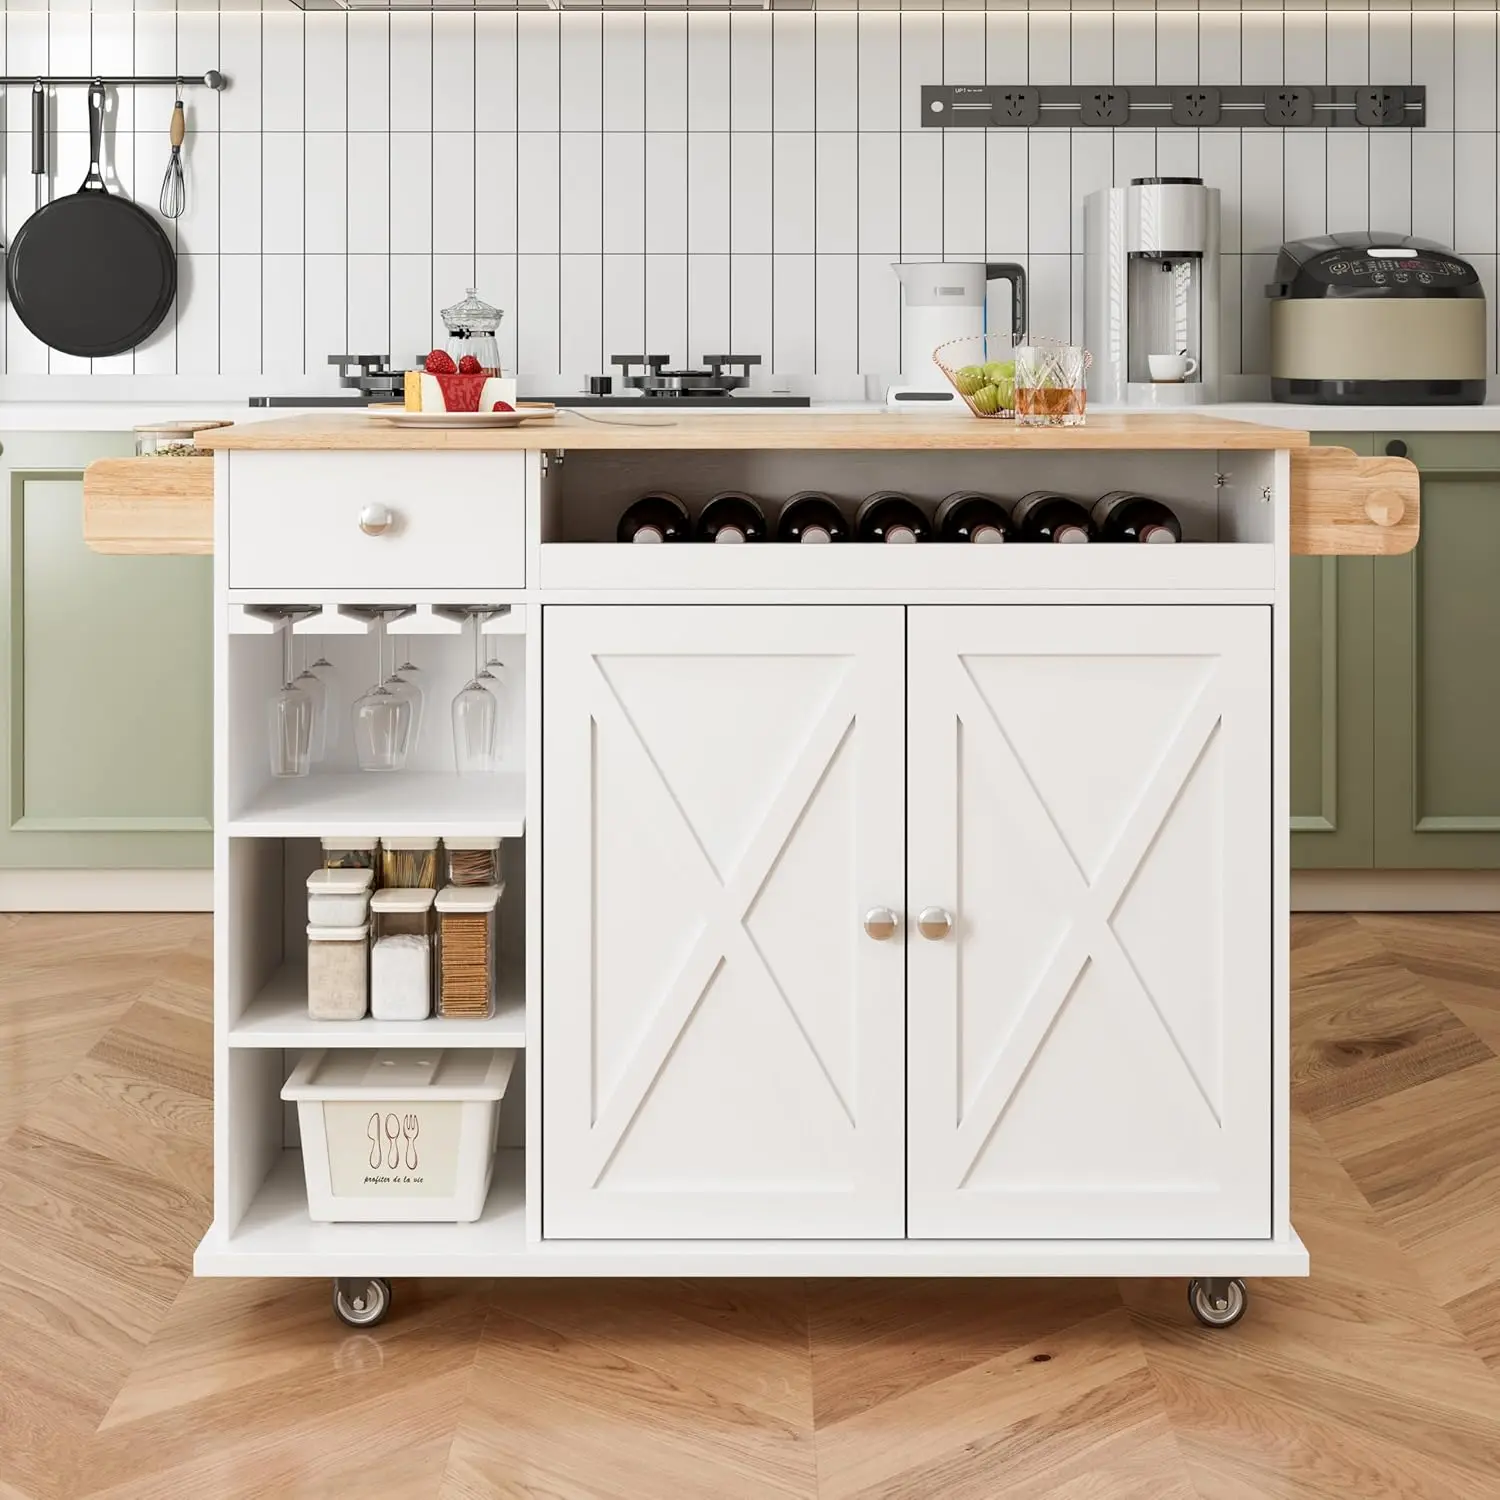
1396, 679
106, 679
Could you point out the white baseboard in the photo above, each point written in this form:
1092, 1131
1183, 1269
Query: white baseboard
106, 890
1396, 890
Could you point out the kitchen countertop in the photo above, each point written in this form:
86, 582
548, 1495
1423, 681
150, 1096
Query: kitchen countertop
854, 431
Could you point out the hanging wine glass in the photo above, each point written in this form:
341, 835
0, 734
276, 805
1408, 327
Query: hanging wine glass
290, 718
475, 714
405, 683
382, 721
327, 674
317, 691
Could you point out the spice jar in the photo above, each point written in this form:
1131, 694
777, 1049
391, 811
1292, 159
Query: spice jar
338, 973
409, 863
468, 923
172, 439
472, 860
339, 898
401, 956
350, 853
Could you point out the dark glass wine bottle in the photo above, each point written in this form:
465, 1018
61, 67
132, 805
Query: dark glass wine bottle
889, 516
655, 518
1124, 516
811, 516
968, 517
1046, 516
732, 517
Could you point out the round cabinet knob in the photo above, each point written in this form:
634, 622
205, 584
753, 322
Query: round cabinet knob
934, 923
375, 520
1395, 449
880, 923
1385, 507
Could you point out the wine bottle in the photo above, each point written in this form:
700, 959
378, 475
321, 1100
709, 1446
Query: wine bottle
968, 517
1124, 516
889, 516
1046, 516
655, 518
732, 517
811, 516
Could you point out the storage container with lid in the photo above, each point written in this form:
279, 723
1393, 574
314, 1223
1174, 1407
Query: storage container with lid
350, 852
401, 954
471, 326
472, 860
468, 936
339, 898
410, 863
172, 439
403, 1135
338, 972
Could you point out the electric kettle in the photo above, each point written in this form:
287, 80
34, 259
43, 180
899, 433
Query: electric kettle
945, 300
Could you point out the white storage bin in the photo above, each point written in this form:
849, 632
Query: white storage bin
433, 1114
339, 898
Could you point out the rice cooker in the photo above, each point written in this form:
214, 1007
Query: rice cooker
1368, 318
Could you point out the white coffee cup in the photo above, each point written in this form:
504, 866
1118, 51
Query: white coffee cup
1171, 367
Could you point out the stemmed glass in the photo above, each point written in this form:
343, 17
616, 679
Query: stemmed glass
317, 690
475, 718
327, 674
405, 685
382, 719
290, 719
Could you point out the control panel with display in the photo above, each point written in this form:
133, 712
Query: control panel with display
1355, 268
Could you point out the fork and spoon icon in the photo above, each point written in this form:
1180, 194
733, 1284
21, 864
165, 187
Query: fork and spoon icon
388, 1136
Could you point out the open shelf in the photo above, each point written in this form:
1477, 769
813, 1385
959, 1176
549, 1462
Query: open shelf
276, 1237
278, 1017
438, 803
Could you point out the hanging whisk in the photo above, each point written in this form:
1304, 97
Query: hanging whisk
173, 186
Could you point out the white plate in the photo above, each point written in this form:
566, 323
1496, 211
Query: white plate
465, 418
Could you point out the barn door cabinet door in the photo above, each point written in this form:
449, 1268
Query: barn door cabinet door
722, 1039
1088, 796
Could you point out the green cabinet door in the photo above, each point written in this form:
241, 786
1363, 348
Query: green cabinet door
1331, 708
1437, 665
106, 679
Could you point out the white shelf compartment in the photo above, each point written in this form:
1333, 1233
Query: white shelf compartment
277, 1017
395, 803
276, 1238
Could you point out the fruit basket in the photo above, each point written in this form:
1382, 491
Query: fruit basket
982, 371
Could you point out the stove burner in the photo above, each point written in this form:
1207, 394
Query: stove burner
658, 382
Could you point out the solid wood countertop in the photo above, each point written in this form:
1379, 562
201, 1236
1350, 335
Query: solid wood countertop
851, 431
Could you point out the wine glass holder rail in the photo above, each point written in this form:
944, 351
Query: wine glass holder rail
213, 79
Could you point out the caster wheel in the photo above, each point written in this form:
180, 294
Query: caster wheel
1217, 1302
361, 1304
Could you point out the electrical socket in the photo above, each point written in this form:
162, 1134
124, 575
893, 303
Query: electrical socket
1196, 106
1379, 106
1105, 107
1019, 106
1289, 105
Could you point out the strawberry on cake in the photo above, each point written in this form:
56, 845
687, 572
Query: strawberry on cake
445, 386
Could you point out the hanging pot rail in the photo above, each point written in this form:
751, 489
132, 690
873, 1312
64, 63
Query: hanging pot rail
213, 79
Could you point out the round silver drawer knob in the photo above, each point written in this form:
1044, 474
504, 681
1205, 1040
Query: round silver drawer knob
375, 520
934, 923
880, 923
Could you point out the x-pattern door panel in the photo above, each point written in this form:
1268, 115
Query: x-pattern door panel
723, 1045
1089, 792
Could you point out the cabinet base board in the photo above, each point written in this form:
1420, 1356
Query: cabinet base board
106, 890
1396, 890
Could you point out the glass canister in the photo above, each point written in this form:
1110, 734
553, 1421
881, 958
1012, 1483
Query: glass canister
338, 973
351, 852
468, 936
410, 863
401, 924
472, 860
471, 326
171, 439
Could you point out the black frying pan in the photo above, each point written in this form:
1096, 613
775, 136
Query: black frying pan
91, 274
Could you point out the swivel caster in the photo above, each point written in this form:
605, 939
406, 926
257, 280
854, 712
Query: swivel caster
361, 1301
1217, 1301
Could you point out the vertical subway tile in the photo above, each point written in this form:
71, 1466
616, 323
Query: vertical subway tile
1177, 46
411, 192
1305, 183
794, 314
921, 194
537, 291
240, 59
708, 72
1219, 46
708, 306
1390, 180
666, 191
1432, 63
1219, 159
581, 315
1049, 284
240, 322
370, 307
537, 93
1474, 207
624, 193
921, 62
281, 64
750, 305
624, 76
1134, 156
1091, 52
666, 308
239, 212
537, 189
326, 193
325, 102
1261, 190
1049, 47
879, 70
581, 207
1348, 180
281, 191
325, 325
750, 200
369, 207
581, 66
495, 69
837, 60
879, 193
1349, 47
495, 275
708, 192
1255, 321
495, 203
963, 47
283, 287
1390, 51
198, 227
1231, 324
1473, 70
453, 68
625, 305
666, 72
879, 317
793, 69
1177, 154
1007, 194
411, 71
1051, 190
1263, 46
453, 186
838, 192
750, 72
1135, 46
1432, 178
837, 324
963, 194
368, 68
793, 180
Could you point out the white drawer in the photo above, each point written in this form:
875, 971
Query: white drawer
457, 521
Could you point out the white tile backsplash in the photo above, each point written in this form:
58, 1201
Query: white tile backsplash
628, 182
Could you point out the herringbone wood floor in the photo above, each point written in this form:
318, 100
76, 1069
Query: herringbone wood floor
122, 1376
